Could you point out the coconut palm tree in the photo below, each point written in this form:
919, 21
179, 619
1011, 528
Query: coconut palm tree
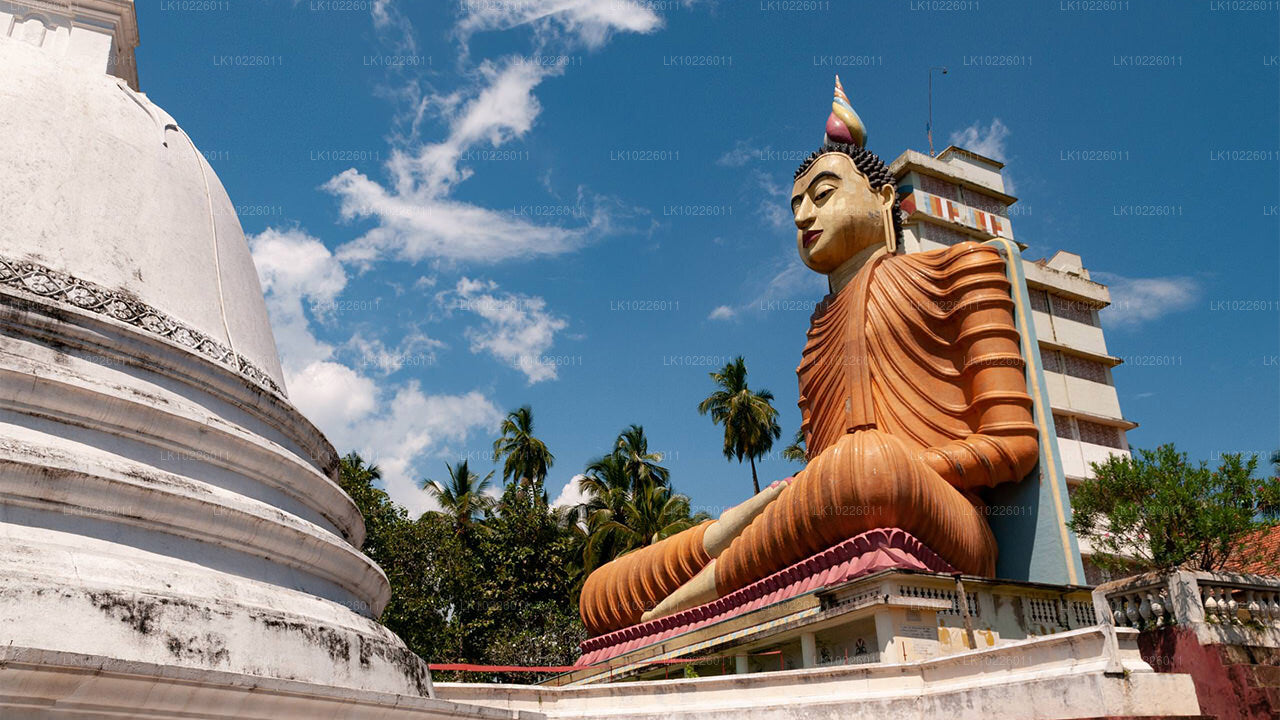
463, 497
749, 418
795, 452
352, 470
607, 489
527, 457
640, 464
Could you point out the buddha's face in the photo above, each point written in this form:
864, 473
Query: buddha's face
837, 213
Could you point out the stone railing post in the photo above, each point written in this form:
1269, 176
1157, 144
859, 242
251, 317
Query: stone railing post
1187, 606
1106, 619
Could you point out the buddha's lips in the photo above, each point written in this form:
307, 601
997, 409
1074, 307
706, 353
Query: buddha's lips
811, 237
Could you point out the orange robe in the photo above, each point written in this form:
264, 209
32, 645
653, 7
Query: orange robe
913, 393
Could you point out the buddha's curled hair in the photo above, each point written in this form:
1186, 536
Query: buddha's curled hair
871, 167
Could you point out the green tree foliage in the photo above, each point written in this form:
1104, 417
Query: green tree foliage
527, 611
749, 418
1157, 510
423, 560
496, 582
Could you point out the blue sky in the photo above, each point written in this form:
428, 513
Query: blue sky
460, 208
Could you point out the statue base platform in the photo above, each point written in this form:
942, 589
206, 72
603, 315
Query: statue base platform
841, 607
866, 553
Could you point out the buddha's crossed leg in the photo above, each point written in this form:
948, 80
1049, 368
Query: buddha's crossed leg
865, 480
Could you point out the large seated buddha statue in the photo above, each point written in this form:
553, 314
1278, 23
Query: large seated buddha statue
913, 399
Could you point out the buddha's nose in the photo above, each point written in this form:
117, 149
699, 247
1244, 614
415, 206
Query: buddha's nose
804, 214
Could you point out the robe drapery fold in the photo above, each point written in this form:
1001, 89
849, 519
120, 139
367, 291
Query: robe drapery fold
926, 345
913, 392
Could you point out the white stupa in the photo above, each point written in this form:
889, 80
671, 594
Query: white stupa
163, 507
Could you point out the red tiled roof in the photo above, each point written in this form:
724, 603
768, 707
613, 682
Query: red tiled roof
1258, 554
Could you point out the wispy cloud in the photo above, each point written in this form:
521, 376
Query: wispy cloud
766, 191
988, 141
499, 107
516, 329
415, 350
741, 154
784, 282
416, 218
789, 286
415, 227
1135, 301
588, 22
722, 312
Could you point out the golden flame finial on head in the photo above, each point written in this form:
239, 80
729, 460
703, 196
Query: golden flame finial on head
844, 125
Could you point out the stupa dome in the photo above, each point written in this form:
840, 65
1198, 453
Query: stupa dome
104, 187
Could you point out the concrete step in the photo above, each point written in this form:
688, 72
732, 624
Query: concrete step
1151, 717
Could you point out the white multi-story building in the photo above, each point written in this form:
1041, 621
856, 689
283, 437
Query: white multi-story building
960, 195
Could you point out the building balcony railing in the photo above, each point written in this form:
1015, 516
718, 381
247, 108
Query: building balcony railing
1218, 607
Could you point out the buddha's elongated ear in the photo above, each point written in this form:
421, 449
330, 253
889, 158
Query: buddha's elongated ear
887, 193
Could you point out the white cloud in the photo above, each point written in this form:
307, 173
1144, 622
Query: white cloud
410, 428
292, 262
769, 193
421, 227
397, 427
571, 494
742, 153
517, 329
415, 216
332, 395
988, 141
774, 207
393, 27
722, 312
415, 350
1135, 301
394, 426
790, 280
589, 22
501, 108
296, 270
